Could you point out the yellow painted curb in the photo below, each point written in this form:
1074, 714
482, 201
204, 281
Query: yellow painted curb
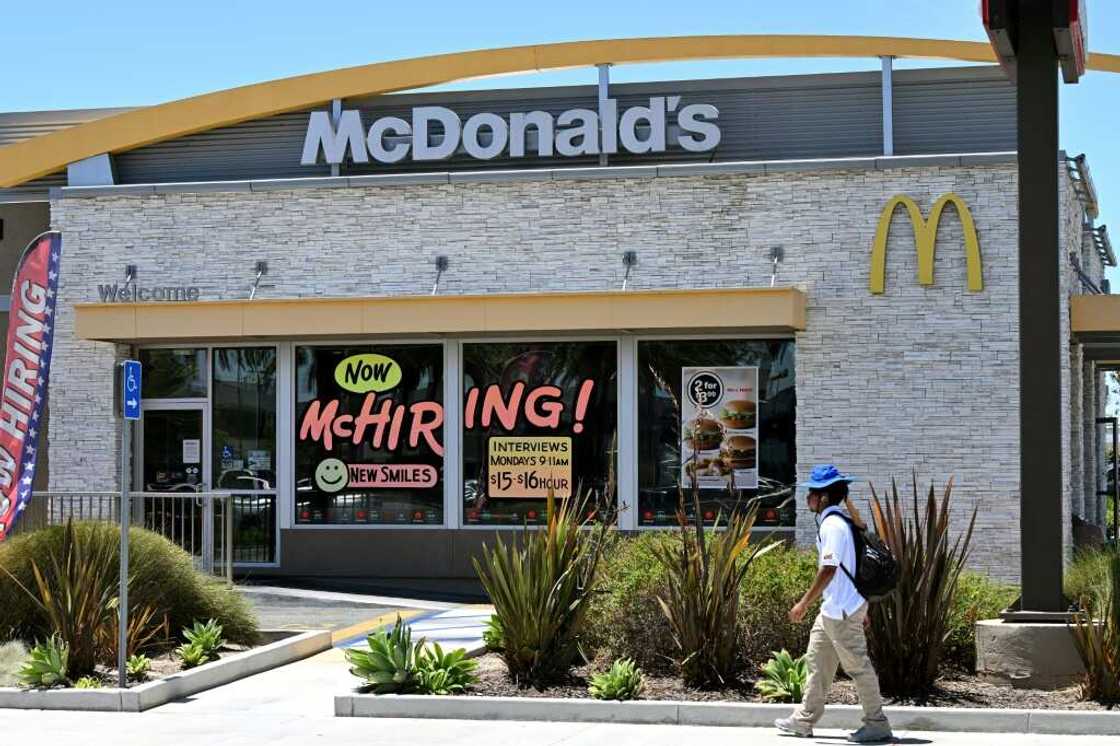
370, 625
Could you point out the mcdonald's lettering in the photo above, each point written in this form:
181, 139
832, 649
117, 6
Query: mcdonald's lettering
925, 238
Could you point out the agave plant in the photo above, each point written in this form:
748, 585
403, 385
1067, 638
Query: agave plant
704, 572
207, 636
88, 682
391, 665
784, 678
909, 628
191, 656
47, 664
1096, 634
492, 634
138, 666
444, 673
622, 681
541, 588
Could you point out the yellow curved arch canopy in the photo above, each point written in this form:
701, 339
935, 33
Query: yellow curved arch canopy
48, 153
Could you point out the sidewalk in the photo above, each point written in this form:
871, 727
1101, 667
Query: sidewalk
301, 718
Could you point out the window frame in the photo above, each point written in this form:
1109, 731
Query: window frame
514, 339
791, 530
290, 481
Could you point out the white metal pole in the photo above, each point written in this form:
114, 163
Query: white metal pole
888, 105
604, 97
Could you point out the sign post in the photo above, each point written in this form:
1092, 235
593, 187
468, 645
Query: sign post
130, 394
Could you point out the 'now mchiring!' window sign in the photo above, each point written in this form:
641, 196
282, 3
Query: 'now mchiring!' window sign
484, 136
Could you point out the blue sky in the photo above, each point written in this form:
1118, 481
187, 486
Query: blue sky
67, 54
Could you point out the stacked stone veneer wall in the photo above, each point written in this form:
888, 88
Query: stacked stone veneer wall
919, 379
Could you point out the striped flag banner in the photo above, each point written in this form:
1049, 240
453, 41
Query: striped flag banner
26, 372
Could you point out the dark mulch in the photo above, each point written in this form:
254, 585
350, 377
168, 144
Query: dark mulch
951, 691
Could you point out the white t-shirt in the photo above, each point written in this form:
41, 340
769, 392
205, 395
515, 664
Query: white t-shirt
835, 547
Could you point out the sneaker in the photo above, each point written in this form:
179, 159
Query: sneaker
872, 734
792, 727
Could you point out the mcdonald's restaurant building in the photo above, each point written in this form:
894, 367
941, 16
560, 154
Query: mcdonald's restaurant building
392, 324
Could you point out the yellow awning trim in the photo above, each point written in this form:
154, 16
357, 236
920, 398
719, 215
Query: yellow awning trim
743, 310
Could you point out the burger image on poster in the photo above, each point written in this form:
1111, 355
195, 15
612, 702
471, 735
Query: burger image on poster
331, 475
704, 434
739, 452
738, 414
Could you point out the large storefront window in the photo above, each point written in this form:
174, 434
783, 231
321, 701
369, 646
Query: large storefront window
369, 435
537, 416
243, 443
718, 415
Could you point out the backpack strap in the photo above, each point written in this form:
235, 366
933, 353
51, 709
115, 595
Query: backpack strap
855, 542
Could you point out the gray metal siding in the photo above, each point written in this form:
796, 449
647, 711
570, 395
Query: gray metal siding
261, 149
946, 116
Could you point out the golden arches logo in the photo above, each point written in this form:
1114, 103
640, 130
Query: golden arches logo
925, 238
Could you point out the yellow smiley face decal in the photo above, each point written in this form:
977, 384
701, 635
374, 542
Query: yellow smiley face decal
331, 475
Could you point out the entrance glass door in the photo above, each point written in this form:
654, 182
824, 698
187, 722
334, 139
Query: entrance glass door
172, 454
172, 450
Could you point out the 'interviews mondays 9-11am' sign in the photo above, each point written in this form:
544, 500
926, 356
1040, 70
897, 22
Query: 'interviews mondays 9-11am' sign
26, 369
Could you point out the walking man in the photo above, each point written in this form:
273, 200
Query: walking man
838, 636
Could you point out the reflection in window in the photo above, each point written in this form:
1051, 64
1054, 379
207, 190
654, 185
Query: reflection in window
660, 365
537, 415
244, 418
174, 373
243, 439
369, 434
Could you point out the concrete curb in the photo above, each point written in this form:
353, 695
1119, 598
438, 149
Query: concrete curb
155, 693
743, 715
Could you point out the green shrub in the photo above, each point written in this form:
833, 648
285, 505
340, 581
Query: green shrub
12, 656
541, 587
390, 665
46, 664
1087, 576
909, 628
705, 572
622, 681
163, 577
75, 591
784, 678
1096, 634
444, 673
88, 682
978, 597
137, 666
773, 584
624, 619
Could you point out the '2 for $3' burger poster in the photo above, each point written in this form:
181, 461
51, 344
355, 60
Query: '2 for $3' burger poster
719, 427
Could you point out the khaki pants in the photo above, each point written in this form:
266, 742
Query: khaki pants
834, 642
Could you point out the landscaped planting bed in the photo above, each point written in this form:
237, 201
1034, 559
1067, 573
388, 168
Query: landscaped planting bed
956, 690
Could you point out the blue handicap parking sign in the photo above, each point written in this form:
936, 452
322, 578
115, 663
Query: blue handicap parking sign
130, 389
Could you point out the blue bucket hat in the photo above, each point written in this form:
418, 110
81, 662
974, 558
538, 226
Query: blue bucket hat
825, 474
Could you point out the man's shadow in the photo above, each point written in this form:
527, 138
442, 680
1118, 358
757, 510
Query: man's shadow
829, 740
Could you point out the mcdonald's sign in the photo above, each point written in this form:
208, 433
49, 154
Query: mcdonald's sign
925, 237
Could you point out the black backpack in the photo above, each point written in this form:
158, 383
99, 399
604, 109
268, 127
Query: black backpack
876, 572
